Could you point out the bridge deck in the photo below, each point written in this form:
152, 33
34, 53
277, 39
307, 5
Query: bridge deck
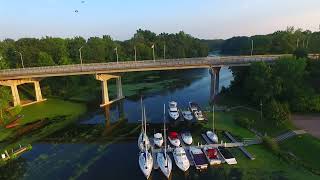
129, 66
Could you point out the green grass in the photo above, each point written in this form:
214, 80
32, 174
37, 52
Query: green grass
267, 165
60, 113
51, 108
305, 147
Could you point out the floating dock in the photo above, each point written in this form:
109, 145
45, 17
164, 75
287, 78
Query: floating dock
245, 152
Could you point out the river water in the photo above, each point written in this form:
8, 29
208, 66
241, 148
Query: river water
119, 160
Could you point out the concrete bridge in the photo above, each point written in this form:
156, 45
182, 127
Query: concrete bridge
105, 71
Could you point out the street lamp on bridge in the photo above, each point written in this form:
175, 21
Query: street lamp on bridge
135, 53
116, 50
80, 54
20, 58
154, 58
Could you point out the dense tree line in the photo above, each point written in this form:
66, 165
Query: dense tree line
279, 42
287, 85
57, 51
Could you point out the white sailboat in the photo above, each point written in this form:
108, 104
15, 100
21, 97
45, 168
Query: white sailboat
211, 135
143, 139
181, 159
146, 161
163, 159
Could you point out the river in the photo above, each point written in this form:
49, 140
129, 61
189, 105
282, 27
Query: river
119, 159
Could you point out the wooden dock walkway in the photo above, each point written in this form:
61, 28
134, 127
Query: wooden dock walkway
245, 152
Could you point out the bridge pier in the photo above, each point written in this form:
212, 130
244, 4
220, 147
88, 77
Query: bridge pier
13, 84
215, 82
105, 94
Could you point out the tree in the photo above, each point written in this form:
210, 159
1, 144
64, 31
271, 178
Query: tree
4, 103
44, 59
258, 84
300, 53
276, 113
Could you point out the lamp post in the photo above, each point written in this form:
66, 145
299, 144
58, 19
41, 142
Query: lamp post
154, 59
164, 51
20, 58
116, 50
135, 53
261, 110
80, 54
251, 47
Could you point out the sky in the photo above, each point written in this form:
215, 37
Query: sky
205, 19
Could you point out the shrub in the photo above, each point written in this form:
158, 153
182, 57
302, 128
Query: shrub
271, 144
244, 122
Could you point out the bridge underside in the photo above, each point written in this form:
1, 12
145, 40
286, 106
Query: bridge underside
13, 84
105, 93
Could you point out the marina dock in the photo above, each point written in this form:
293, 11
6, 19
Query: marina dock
245, 152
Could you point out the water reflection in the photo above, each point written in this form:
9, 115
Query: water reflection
96, 158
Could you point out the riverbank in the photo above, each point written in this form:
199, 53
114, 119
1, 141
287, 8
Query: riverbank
40, 120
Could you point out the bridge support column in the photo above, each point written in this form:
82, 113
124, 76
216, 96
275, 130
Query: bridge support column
105, 94
13, 84
215, 79
15, 95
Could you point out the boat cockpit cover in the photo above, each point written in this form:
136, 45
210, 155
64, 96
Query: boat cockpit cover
173, 135
212, 153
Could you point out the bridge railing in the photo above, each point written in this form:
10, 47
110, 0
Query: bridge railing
73, 68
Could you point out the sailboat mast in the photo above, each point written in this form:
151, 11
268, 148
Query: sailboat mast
142, 127
213, 118
164, 131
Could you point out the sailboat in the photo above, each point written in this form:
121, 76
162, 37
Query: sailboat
143, 139
145, 160
211, 135
163, 159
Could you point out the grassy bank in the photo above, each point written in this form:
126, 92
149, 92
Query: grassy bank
41, 120
267, 165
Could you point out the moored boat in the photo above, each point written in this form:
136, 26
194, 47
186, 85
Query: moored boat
146, 163
173, 139
198, 158
181, 159
187, 138
187, 115
212, 155
211, 134
227, 156
158, 139
173, 110
143, 140
163, 159
196, 110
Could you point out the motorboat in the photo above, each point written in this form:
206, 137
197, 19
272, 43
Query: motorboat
173, 139
181, 159
173, 110
227, 156
158, 139
187, 115
143, 139
210, 134
212, 155
199, 158
196, 110
146, 163
187, 138
163, 159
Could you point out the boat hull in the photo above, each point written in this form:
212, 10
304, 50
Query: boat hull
165, 164
146, 166
141, 143
175, 142
182, 162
